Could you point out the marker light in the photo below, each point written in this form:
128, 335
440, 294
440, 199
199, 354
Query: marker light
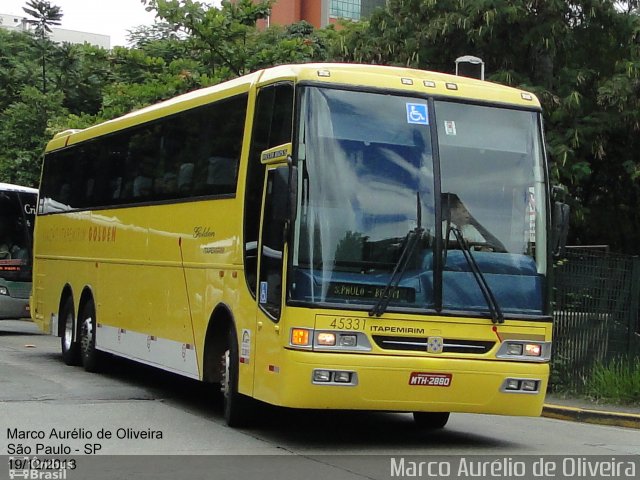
533, 349
514, 349
326, 338
300, 337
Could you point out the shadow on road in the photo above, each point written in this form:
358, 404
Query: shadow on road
9, 333
375, 432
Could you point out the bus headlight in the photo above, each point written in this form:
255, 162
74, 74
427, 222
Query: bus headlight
348, 340
524, 351
532, 349
521, 385
326, 338
514, 349
4, 291
341, 378
333, 340
321, 376
512, 384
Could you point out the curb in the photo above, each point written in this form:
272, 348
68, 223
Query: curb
598, 417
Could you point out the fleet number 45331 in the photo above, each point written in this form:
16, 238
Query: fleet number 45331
348, 323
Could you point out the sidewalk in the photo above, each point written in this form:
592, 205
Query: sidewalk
582, 410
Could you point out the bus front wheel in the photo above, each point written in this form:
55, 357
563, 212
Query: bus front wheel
431, 420
70, 348
237, 407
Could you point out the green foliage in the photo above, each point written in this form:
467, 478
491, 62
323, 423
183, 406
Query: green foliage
227, 41
23, 126
562, 374
580, 57
194, 46
618, 381
44, 16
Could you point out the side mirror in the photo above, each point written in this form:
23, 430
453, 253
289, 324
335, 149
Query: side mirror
293, 190
559, 228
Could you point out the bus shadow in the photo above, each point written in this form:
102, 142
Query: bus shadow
13, 333
371, 432
375, 432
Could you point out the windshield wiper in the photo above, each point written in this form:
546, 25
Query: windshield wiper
487, 293
412, 239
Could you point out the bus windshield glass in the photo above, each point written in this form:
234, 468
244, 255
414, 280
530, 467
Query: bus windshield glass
366, 174
17, 214
492, 179
367, 189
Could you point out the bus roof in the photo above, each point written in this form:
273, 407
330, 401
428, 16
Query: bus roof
400, 79
16, 188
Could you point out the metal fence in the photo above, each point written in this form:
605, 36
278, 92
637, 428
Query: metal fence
596, 313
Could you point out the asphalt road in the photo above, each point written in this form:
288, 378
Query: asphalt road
136, 410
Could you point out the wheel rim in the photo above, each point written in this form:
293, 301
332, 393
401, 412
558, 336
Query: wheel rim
225, 387
68, 332
87, 334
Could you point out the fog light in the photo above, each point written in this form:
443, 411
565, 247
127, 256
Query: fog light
321, 376
342, 377
300, 337
348, 340
4, 291
529, 385
326, 339
533, 349
512, 384
514, 349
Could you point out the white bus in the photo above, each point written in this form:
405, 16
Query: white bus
17, 216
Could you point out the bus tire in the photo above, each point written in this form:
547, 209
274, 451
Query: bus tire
237, 407
88, 353
431, 420
70, 348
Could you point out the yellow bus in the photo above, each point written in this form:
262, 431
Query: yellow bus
321, 236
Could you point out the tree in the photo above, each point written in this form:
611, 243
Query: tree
44, 16
23, 134
227, 41
580, 57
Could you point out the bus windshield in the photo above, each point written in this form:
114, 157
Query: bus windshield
17, 214
367, 189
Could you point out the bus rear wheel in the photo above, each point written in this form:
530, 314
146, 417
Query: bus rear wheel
237, 407
90, 356
70, 348
431, 420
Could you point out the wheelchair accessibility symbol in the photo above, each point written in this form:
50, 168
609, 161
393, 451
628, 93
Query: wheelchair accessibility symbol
417, 113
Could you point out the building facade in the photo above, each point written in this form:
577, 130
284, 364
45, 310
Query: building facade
321, 13
58, 35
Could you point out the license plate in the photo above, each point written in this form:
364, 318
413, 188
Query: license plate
430, 379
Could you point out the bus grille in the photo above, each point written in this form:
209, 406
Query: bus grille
419, 344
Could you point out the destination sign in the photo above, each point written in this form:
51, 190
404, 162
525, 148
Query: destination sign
370, 292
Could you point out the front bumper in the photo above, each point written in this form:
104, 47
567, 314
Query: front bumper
383, 383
